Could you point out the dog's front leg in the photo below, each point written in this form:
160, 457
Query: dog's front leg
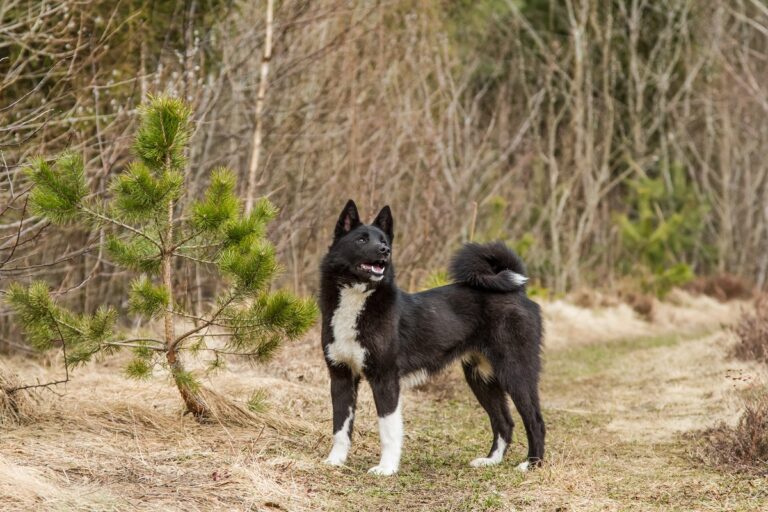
344, 397
386, 394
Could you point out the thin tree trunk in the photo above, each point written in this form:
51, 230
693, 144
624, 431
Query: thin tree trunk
192, 400
256, 149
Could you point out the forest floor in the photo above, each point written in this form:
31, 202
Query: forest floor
619, 394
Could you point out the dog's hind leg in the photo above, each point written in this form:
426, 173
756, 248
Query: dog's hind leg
344, 397
494, 401
525, 396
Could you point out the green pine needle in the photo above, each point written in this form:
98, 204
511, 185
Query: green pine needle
46, 324
283, 312
251, 266
143, 351
185, 379
140, 195
138, 369
163, 133
264, 210
59, 189
268, 348
258, 402
139, 254
220, 206
98, 327
244, 230
216, 365
35, 310
148, 299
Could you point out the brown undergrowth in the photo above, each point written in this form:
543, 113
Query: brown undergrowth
17, 406
722, 287
752, 332
743, 447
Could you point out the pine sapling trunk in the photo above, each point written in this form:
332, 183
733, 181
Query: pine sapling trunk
195, 404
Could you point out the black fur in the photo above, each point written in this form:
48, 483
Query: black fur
487, 266
483, 315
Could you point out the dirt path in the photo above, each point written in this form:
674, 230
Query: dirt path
615, 404
653, 389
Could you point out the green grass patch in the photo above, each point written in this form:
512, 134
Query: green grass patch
591, 360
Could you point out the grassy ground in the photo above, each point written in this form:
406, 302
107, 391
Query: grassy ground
615, 405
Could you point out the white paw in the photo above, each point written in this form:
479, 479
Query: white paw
334, 460
382, 470
523, 466
484, 461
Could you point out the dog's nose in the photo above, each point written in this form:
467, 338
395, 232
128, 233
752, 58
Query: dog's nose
385, 250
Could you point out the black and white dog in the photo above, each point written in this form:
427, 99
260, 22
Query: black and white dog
372, 328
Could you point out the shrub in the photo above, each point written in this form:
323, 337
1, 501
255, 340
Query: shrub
752, 332
723, 287
741, 448
662, 227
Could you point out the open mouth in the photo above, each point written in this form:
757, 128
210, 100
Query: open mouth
375, 268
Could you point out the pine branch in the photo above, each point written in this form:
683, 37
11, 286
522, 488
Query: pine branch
66, 367
192, 258
252, 326
134, 345
204, 246
18, 233
134, 340
207, 323
219, 351
122, 225
187, 239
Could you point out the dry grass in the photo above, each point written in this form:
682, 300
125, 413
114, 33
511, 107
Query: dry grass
118, 445
602, 319
614, 404
16, 406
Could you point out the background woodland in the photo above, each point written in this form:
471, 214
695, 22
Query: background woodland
610, 142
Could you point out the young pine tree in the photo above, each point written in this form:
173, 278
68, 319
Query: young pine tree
150, 230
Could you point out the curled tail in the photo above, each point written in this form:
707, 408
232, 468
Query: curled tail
491, 266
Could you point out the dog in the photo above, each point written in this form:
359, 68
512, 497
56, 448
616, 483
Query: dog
372, 329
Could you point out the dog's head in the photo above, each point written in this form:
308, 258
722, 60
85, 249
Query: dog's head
361, 252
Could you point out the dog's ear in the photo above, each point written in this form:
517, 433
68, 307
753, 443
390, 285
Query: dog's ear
384, 222
348, 220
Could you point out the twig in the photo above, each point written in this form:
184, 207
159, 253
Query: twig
121, 224
66, 368
18, 233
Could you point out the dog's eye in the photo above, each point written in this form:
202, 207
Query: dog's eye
361, 240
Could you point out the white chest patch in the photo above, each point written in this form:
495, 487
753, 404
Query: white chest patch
346, 348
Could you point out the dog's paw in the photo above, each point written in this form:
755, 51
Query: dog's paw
481, 462
382, 470
523, 466
334, 461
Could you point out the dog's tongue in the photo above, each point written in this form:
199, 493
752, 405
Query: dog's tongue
373, 267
